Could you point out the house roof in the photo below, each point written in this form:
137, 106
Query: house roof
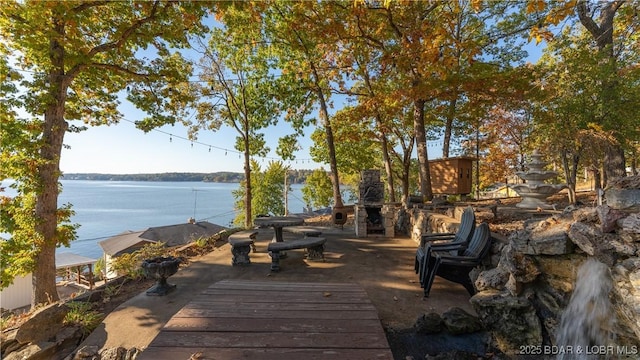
181, 234
65, 260
171, 235
116, 244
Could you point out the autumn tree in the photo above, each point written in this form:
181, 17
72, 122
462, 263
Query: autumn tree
507, 142
71, 60
613, 28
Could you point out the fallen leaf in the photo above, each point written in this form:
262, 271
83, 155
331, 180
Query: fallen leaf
326, 294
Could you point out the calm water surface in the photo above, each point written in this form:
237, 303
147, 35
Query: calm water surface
107, 208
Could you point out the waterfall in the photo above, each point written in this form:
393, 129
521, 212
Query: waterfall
586, 328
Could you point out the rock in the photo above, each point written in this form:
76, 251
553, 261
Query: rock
132, 354
457, 321
512, 320
588, 215
113, 353
495, 279
544, 239
8, 342
67, 340
89, 352
583, 236
523, 268
118, 353
559, 272
43, 325
42, 351
513, 286
430, 323
608, 218
630, 228
623, 199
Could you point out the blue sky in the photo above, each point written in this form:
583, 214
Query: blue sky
123, 149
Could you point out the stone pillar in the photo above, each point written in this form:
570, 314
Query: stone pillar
360, 220
389, 215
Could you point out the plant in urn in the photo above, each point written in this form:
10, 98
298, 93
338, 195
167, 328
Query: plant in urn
160, 268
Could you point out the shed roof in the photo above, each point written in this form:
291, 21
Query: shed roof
181, 234
65, 260
171, 235
116, 244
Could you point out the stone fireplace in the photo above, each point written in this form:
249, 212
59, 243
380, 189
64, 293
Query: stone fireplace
372, 216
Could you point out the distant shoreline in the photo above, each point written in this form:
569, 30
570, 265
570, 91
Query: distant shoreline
294, 177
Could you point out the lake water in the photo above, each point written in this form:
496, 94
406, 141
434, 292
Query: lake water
107, 208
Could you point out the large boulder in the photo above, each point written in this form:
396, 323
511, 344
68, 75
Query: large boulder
457, 321
512, 320
43, 324
545, 237
430, 323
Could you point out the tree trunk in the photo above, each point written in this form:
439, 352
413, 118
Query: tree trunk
248, 213
570, 173
614, 162
44, 274
423, 158
333, 163
448, 127
46, 210
602, 33
387, 166
406, 171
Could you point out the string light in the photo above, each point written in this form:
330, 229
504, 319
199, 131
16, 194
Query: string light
210, 146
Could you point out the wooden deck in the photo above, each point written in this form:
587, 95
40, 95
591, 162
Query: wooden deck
273, 320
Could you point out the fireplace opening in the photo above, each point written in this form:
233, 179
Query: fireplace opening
375, 221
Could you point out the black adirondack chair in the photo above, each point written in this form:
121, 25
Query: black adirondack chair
446, 262
461, 237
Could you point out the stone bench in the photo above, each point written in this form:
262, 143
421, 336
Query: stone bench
302, 230
241, 244
313, 245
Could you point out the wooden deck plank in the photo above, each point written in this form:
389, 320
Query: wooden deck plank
305, 340
275, 296
214, 305
264, 354
258, 285
277, 314
274, 320
282, 325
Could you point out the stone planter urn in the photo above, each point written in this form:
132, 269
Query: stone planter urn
160, 268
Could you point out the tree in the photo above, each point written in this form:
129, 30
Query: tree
317, 191
242, 97
304, 55
587, 117
613, 28
268, 189
77, 56
507, 141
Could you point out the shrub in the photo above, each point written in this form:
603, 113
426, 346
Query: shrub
82, 315
129, 265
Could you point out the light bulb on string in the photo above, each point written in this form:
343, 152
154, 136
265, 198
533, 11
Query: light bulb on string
170, 138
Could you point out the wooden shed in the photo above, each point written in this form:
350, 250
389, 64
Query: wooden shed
451, 176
